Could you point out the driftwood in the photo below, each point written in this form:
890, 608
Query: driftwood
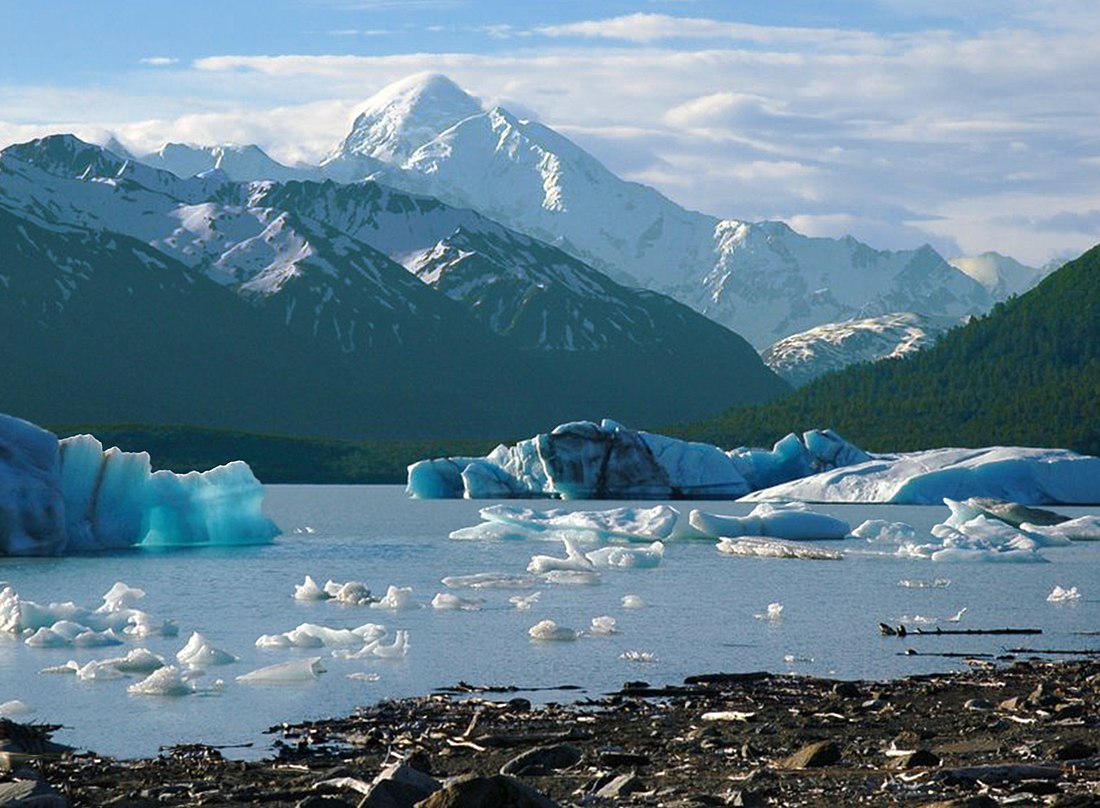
902, 631
1052, 651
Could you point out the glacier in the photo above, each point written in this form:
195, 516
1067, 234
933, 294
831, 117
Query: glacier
72, 496
582, 460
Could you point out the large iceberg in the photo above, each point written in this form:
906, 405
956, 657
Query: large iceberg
71, 496
586, 460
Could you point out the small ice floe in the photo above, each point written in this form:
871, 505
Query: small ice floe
141, 625
958, 616
448, 601
920, 583
574, 560
200, 653
166, 681
353, 593
311, 635
638, 656
309, 590
495, 531
880, 531
1085, 528
760, 547
549, 631
632, 524
774, 613
47, 638
602, 626
572, 577
525, 602
1060, 595
120, 597
396, 598
375, 649
792, 659
633, 602
491, 580
627, 557
14, 709
296, 671
794, 521
97, 639
305, 529
363, 676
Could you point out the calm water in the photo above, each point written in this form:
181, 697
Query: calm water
700, 616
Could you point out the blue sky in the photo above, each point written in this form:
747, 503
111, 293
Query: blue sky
971, 125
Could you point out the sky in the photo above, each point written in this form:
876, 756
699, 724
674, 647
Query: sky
971, 125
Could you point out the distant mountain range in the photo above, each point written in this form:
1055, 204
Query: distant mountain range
763, 280
132, 294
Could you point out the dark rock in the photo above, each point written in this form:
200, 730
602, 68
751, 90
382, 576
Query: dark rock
30, 794
1076, 710
543, 760
978, 704
1075, 750
822, 753
1076, 801
980, 801
745, 798
616, 759
399, 786
518, 705
323, 801
620, 786
497, 791
847, 690
918, 758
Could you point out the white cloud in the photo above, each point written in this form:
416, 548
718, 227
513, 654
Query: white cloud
159, 61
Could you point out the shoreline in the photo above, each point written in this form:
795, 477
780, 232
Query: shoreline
1026, 733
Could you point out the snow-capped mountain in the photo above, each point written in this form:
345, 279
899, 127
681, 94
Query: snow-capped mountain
1000, 275
801, 358
238, 163
359, 344
426, 135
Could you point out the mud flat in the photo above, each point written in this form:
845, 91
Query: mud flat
1025, 734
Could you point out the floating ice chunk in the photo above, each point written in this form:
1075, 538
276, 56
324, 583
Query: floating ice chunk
32, 508
296, 671
602, 626
1084, 528
632, 524
775, 548
574, 560
572, 577
550, 631
524, 602
395, 650
138, 660
496, 531
445, 600
353, 593
628, 557
98, 670
72, 666
141, 625
309, 590
311, 635
633, 602
120, 597
199, 653
370, 631
97, 639
363, 676
396, 598
1060, 595
46, 638
793, 521
885, 532
166, 681
14, 709
491, 580
638, 656
958, 616
920, 583
774, 613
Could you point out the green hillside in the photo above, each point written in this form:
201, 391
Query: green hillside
1026, 374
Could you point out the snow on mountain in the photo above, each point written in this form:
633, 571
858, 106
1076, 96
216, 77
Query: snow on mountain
762, 280
801, 358
499, 332
1001, 275
239, 163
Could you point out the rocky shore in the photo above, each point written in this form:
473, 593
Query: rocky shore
1025, 734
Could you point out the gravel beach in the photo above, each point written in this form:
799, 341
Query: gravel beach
1027, 733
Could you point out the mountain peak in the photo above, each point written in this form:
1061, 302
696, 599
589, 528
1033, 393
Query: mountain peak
405, 115
66, 155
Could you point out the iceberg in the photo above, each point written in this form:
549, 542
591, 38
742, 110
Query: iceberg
792, 521
549, 631
586, 460
200, 653
297, 671
760, 547
72, 496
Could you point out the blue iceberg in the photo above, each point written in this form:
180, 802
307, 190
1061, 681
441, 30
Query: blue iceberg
72, 496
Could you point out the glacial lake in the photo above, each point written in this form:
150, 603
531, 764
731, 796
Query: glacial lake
703, 614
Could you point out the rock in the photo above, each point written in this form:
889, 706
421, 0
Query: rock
399, 786
1075, 750
543, 760
982, 705
822, 753
30, 794
620, 786
918, 758
319, 801
1013, 704
1076, 801
496, 791
614, 759
981, 801
745, 798
847, 690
